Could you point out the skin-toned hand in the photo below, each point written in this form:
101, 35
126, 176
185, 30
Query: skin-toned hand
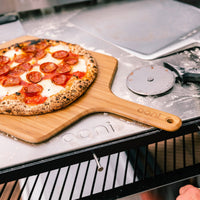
188, 192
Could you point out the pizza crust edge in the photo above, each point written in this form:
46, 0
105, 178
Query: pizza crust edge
14, 105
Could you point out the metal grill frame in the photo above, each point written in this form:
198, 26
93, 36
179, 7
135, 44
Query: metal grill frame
140, 141
149, 174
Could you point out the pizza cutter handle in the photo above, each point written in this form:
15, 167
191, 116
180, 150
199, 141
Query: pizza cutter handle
191, 77
143, 114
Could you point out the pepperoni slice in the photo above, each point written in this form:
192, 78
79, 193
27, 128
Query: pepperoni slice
34, 77
64, 68
25, 66
60, 79
60, 54
40, 53
11, 81
42, 45
4, 59
71, 60
4, 69
20, 69
16, 71
22, 58
32, 90
29, 49
48, 67
79, 74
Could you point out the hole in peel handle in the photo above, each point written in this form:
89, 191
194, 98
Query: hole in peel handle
157, 118
173, 123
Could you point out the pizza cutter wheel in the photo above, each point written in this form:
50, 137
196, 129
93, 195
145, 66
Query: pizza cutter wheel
150, 80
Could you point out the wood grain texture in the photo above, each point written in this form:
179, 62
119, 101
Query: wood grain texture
98, 98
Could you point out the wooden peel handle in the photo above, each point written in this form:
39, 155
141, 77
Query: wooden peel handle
141, 113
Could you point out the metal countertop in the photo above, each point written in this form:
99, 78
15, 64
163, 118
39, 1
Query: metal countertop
64, 24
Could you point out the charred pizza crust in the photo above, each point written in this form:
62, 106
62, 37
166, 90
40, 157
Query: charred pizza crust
14, 104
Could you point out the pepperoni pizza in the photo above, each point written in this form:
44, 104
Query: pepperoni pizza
41, 76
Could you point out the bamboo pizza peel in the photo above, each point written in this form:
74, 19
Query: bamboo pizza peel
98, 98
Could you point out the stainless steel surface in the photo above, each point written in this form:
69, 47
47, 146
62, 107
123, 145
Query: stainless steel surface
148, 29
154, 171
27, 5
10, 31
150, 80
182, 100
6, 6
89, 131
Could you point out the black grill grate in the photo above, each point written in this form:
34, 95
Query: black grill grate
125, 172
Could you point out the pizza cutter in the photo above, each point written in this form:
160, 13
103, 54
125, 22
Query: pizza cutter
190, 75
151, 80
158, 80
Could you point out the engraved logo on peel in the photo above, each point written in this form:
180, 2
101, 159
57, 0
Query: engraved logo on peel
103, 129
156, 115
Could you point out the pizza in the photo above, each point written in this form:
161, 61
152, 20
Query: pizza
40, 76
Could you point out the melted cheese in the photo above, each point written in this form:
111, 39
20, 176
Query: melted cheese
14, 64
80, 66
49, 58
23, 77
9, 90
49, 88
59, 48
35, 68
11, 53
